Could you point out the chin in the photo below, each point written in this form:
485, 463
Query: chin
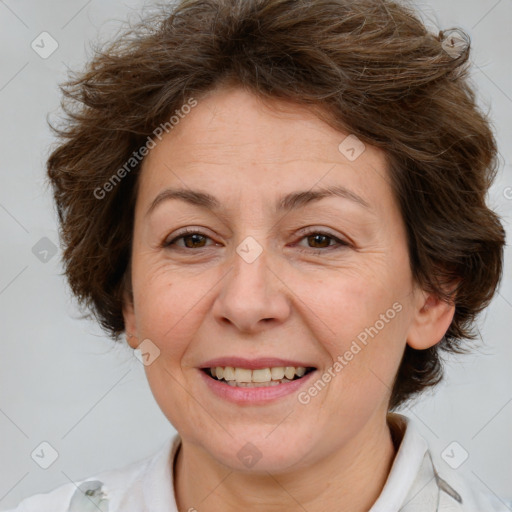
260, 448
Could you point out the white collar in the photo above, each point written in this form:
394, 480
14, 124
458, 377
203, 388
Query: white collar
158, 481
406, 465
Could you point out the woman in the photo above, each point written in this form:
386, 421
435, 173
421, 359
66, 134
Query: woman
281, 205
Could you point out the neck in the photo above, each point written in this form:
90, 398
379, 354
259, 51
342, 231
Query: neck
349, 479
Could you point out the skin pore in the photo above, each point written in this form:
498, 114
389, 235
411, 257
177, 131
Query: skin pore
305, 298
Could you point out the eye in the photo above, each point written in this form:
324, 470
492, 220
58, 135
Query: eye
192, 239
323, 241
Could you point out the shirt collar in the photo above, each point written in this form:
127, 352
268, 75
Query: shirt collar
158, 485
408, 460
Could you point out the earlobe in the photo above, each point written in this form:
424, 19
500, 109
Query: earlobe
132, 340
432, 320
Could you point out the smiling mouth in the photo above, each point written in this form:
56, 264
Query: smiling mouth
247, 378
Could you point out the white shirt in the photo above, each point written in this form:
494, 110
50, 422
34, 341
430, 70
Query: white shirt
413, 485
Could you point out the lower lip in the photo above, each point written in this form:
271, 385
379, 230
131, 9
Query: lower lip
254, 396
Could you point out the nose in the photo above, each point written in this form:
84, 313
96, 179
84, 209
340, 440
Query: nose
253, 296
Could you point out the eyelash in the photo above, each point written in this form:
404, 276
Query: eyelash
341, 243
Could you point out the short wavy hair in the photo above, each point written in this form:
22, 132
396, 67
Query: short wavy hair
367, 67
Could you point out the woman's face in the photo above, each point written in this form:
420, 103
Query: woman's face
269, 282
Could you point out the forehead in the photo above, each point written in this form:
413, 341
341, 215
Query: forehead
269, 130
232, 138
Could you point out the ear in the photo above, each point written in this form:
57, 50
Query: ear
130, 326
432, 318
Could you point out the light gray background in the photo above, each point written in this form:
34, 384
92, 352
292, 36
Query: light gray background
62, 381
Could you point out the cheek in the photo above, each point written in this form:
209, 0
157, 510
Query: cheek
348, 303
164, 307
364, 317
169, 308
171, 304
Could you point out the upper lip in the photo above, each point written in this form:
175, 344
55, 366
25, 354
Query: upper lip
253, 364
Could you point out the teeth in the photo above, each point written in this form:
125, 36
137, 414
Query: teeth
235, 384
261, 375
244, 377
277, 372
229, 373
289, 372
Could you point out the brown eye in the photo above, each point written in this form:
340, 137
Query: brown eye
322, 240
191, 240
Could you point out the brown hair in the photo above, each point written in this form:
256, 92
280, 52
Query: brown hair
366, 67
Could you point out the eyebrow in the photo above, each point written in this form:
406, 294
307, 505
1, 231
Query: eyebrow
291, 201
